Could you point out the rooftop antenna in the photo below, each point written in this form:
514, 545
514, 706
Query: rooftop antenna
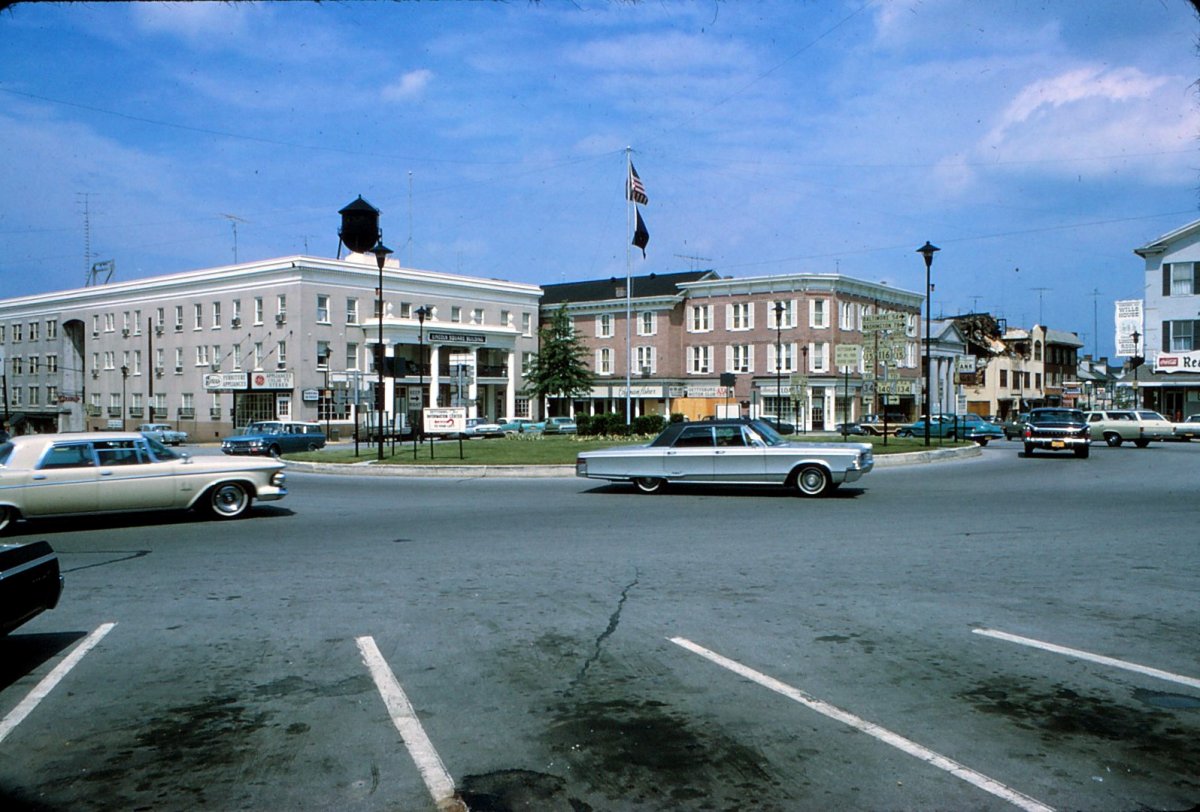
1040, 291
87, 237
233, 221
694, 260
1095, 331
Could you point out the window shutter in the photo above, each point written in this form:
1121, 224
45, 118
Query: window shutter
1166, 279
1196, 278
750, 357
729, 355
1166, 336
1196, 335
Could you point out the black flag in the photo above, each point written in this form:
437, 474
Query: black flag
641, 237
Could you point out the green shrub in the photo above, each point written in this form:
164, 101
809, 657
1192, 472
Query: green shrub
651, 424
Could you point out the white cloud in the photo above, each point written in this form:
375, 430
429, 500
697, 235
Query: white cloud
409, 86
196, 22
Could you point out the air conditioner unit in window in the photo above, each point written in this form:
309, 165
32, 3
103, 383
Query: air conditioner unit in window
158, 329
235, 321
280, 318
95, 373
178, 370
125, 333
158, 372
215, 366
179, 328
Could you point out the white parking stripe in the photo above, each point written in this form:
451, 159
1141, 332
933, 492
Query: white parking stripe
429, 763
43, 688
992, 786
1191, 682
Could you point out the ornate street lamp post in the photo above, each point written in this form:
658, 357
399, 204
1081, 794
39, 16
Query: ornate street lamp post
1135, 362
124, 380
381, 252
423, 312
779, 360
927, 250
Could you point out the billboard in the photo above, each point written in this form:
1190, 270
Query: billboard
1129, 320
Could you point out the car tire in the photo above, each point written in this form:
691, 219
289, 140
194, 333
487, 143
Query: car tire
813, 480
313, 447
1029, 449
1141, 443
1113, 439
983, 441
1082, 451
7, 515
274, 451
649, 484
227, 500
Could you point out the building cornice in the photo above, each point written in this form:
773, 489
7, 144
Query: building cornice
804, 283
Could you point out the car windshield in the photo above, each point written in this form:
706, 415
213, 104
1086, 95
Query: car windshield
759, 430
160, 451
263, 428
1057, 415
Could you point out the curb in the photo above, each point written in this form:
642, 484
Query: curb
371, 468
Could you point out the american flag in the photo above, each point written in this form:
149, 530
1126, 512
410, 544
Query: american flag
634, 190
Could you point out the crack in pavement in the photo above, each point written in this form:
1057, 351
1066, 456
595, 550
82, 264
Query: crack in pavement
613, 621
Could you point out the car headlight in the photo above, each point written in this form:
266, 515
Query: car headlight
279, 479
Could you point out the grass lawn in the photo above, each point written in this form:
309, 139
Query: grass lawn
541, 450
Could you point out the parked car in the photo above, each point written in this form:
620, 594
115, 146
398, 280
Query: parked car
1189, 429
780, 426
878, 424
119, 471
1057, 429
729, 452
560, 425
164, 433
978, 429
850, 428
481, 427
30, 582
943, 426
1014, 426
1139, 426
519, 425
275, 437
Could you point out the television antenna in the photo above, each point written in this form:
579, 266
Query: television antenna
233, 221
694, 260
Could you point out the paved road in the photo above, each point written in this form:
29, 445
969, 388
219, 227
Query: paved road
374, 644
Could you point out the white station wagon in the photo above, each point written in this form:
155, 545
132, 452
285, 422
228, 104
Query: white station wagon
109, 472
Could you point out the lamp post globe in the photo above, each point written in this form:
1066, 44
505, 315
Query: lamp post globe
927, 250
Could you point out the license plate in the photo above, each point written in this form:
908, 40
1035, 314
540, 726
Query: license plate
1057, 444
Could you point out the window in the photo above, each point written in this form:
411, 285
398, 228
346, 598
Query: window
34, 396
526, 363
258, 355
137, 324
258, 310
1, 333
646, 361
187, 404
819, 357
647, 323
51, 394
1037, 376
739, 316
158, 360
237, 356
18, 365
1180, 336
159, 319
699, 360
110, 360
1037, 350
818, 313
505, 318
281, 354
179, 360
201, 355
781, 320
281, 308
178, 317
1180, 278
95, 328
110, 323
237, 313
527, 324
322, 309
1004, 378
604, 361
197, 316
323, 351
741, 358
604, 325
521, 407
51, 364
846, 312
33, 364
351, 359
33, 330
137, 362
784, 354
456, 314
406, 311
700, 319
216, 311
477, 316
17, 330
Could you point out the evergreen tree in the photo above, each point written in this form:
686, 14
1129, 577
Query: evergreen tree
560, 369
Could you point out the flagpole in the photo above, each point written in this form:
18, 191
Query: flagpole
629, 207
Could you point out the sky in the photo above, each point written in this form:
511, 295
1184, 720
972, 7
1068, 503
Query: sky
1036, 142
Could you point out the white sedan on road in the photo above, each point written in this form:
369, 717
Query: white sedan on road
109, 472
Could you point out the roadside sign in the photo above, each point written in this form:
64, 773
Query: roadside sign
846, 355
878, 322
445, 420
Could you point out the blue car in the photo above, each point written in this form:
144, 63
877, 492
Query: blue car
275, 437
951, 427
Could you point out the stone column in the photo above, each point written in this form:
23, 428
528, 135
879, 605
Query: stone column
435, 352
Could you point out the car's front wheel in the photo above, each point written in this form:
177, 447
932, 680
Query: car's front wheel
1113, 439
274, 451
228, 500
649, 484
982, 440
813, 480
7, 515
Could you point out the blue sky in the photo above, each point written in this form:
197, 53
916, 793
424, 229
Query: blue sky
1051, 137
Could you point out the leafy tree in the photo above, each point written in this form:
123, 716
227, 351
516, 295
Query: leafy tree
560, 369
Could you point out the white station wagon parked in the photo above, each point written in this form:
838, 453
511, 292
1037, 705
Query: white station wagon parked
108, 472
